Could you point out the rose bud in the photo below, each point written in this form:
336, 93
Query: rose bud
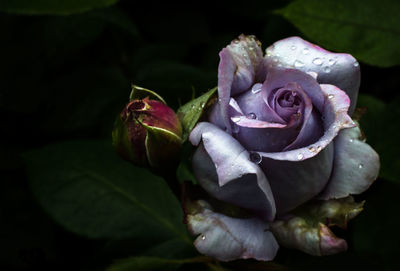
148, 133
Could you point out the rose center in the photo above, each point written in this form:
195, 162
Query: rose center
289, 99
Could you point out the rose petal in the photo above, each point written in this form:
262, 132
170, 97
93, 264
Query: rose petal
335, 118
338, 69
278, 78
310, 132
305, 229
316, 241
295, 182
356, 166
224, 170
272, 140
226, 238
293, 176
241, 65
252, 103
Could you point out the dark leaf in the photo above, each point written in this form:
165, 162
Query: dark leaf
368, 29
86, 188
51, 7
380, 125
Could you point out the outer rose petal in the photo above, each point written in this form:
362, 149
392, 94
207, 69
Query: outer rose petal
305, 231
238, 180
356, 166
241, 65
226, 238
341, 70
294, 177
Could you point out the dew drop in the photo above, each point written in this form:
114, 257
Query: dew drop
330, 96
327, 69
312, 149
235, 119
256, 88
351, 140
236, 41
203, 237
317, 61
251, 116
255, 157
360, 166
293, 47
306, 51
300, 156
298, 64
355, 64
331, 62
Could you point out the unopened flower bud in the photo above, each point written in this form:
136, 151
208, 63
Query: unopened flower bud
148, 133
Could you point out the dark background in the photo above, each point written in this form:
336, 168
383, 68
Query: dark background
66, 77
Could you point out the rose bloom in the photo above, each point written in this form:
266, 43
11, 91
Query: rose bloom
281, 145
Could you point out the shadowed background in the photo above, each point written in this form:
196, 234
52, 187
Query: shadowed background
65, 73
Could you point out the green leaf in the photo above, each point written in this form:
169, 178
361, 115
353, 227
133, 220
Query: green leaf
380, 127
89, 190
190, 113
52, 7
368, 29
152, 263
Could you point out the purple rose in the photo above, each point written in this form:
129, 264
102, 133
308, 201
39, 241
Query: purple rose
280, 142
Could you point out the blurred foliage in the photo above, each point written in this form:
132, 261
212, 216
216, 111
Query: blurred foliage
369, 29
71, 204
56, 7
381, 131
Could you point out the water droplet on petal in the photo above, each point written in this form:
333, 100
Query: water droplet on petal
330, 96
251, 116
312, 149
256, 88
298, 64
293, 47
203, 237
327, 69
355, 64
236, 41
351, 140
317, 61
235, 119
306, 51
255, 157
360, 166
300, 156
332, 62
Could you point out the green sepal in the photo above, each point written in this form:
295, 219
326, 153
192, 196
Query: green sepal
139, 93
189, 114
161, 146
122, 144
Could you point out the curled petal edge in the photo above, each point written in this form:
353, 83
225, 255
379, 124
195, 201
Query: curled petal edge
227, 238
